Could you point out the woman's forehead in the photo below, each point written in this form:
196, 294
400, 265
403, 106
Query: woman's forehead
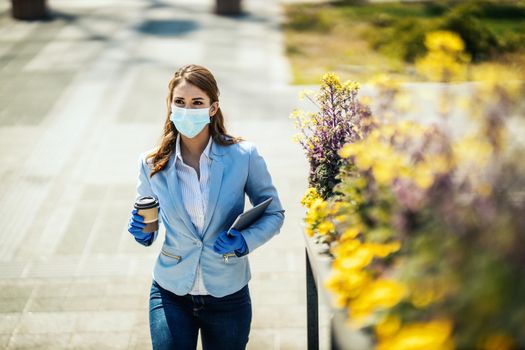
187, 90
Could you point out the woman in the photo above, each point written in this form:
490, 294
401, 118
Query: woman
200, 176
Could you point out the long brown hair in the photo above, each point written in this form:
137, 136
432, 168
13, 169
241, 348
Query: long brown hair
204, 80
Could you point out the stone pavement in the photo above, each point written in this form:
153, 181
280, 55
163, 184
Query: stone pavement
80, 97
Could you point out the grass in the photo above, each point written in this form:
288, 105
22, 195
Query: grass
359, 42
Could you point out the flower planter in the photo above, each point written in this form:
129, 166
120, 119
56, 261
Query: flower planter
29, 9
228, 7
318, 267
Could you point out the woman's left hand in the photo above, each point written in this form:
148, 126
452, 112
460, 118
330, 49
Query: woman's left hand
234, 241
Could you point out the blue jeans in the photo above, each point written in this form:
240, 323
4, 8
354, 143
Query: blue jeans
175, 320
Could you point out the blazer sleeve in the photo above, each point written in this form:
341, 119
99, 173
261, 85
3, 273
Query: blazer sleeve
259, 187
144, 189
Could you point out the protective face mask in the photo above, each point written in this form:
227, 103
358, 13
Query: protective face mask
189, 122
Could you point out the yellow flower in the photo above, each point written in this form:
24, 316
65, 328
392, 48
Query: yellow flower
359, 258
347, 284
360, 183
434, 335
297, 138
423, 175
384, 172
387, 130
316, 212
300, 119
387, 327
336, 207
350, 85
383, 250
318, 205
351, 254
341, 218
441, 40
350, 233
331, 79
308, 198
346, 151
325, 227
344, 248
380, 294
445, 59
406, 172
387, 163
472, 150
309, 231
441, 164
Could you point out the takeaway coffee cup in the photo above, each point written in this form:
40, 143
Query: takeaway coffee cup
147, 206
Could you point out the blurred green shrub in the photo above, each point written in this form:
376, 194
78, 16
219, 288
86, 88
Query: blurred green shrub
495, 9
512, 42
503, 10
480, 41
403, 39
383, 20
308, 18
349, 2
436, 8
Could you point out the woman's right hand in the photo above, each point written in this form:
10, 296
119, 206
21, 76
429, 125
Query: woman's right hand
136, 224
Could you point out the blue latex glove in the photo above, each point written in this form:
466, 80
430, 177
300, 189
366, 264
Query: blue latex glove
227, 243
135, 226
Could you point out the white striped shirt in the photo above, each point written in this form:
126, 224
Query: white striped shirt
195, 191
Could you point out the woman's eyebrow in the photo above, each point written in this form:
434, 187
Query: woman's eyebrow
182, 98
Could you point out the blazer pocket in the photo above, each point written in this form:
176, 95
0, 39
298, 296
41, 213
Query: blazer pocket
230, 258
169, 254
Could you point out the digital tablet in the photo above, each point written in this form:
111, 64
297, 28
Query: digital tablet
250, 216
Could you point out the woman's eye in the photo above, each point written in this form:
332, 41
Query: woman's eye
179, 102
198, 103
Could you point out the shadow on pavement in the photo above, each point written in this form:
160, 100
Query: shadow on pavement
167, 27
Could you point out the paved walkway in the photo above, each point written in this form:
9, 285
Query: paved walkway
80, 97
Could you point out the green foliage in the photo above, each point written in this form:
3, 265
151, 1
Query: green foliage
436, 8
404, 39
480, 41
323, 177
403, 36
383, 20
503, 10
308, 18
350, 2
495, 9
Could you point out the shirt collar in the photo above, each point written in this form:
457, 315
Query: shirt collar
178, 153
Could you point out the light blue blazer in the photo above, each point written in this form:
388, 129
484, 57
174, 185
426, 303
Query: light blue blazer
235, 170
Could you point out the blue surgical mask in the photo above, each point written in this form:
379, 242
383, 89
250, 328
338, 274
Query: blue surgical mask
189, 122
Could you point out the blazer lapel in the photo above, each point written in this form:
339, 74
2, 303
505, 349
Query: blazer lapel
217, 168
216, 172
